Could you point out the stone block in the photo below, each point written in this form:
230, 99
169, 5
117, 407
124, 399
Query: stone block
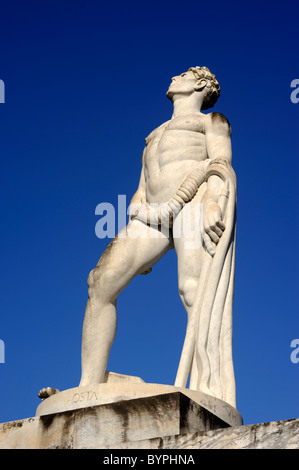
173, 422
112, 424
116, 391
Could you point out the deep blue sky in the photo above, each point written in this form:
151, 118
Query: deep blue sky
85, 84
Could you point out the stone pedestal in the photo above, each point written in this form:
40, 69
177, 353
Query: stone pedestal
120, 392
126, 422
125, 412
169, 421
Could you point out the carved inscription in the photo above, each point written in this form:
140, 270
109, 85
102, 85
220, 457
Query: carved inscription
82, 396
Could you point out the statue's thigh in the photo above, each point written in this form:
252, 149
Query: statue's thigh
136, 248
187, 237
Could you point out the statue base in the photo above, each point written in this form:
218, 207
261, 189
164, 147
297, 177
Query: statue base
123, 413
122, 388
126, 413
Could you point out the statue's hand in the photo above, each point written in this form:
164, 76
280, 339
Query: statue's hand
135, 208
213, 226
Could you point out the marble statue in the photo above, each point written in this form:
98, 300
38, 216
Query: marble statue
186, 165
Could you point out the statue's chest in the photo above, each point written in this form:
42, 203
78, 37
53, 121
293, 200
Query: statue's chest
187, 123
156, 134
183, 123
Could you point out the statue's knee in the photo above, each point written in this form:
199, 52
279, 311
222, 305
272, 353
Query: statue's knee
100, 283
95, 281
93, 278
187, 289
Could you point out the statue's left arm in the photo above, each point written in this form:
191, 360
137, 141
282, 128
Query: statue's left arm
218, 143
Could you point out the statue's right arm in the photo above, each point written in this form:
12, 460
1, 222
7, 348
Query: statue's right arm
140, 195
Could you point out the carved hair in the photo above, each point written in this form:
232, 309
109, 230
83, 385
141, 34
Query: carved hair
212, 87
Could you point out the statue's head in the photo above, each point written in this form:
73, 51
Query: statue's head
204, 77
196, 79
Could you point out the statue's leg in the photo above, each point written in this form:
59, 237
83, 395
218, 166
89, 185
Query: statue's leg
206, 288
187, 233
135, 249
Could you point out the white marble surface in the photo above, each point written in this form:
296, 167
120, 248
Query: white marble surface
99, 394
186, 164
67, 432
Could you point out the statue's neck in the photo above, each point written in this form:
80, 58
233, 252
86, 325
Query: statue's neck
186, 104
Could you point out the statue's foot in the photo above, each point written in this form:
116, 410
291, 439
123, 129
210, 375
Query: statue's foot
47, 392
149, 270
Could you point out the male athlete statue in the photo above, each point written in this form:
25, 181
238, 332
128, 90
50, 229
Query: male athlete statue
185, 165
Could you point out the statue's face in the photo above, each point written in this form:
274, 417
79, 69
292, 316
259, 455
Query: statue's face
182, 84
